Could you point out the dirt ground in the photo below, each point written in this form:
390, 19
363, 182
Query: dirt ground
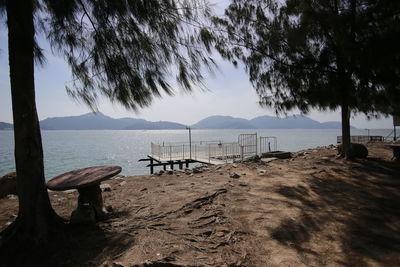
311, 210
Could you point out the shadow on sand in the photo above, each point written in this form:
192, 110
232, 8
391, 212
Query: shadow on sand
84, 245
360, 199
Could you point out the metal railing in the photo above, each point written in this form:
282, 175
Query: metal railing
207, 151
268, 144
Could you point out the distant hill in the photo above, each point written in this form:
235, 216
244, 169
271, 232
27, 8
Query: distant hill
264, 122
99, 121
5, 126
223, 122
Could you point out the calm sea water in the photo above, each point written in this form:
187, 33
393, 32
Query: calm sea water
68, 150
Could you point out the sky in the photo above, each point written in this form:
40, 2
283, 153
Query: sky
228, 93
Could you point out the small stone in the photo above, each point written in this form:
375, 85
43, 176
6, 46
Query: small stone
143, 189
71, 191
169, 172
197, 170
117, 264
122, 183
244, 173
267, 160
234, 175
221, 173
105, 187
242, 184
218, 167
232, 185
191, 175
11, 196
161, 172
178, 175
220, 234
234, 165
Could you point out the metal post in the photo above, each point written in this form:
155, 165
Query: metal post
190, 142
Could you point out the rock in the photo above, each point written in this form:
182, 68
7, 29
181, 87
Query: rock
267, 160
117, 264
11, 196
244, 185
220, 234
161, 172
221, 173
122, 183
234, 165
254, 158
218, 167
234, 175
356, 150
8, 184
197, 170
277, 154
169, 172
109, 208
105, 187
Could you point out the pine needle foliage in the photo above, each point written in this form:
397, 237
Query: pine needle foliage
129, 51
317, 54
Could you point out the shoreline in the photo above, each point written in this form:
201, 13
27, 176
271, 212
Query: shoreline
312, 209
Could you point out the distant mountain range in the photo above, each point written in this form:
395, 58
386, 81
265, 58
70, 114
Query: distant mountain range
5, 126
99, 121
264, 122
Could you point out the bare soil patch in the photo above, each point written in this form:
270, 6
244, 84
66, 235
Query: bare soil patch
312, 210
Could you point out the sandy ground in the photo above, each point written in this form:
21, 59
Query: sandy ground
312, 210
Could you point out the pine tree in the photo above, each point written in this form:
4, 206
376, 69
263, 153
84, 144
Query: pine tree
124, 50
317, 54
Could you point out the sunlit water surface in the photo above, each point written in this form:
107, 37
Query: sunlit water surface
68, 150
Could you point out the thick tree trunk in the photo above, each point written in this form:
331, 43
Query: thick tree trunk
35, 212
345, 131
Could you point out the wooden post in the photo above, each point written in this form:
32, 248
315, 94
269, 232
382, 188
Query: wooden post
151, 166
180, 164
187, 163
172, 165
165, 167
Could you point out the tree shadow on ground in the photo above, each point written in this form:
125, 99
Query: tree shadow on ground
361, 200
76, 245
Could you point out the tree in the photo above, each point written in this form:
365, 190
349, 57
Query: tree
124, 50
317, 54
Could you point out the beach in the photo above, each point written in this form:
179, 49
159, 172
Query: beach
314, 209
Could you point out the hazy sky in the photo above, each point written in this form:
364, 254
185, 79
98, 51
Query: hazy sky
229, 93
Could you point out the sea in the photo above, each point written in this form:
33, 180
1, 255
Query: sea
69, 150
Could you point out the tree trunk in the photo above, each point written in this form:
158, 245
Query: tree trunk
346, 131
35, 212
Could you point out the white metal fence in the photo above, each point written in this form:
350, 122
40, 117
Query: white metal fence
209, 151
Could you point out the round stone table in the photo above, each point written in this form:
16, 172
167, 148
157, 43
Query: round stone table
87, 182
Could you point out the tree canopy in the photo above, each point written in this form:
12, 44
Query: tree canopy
128, 50
317, 54
124, 50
